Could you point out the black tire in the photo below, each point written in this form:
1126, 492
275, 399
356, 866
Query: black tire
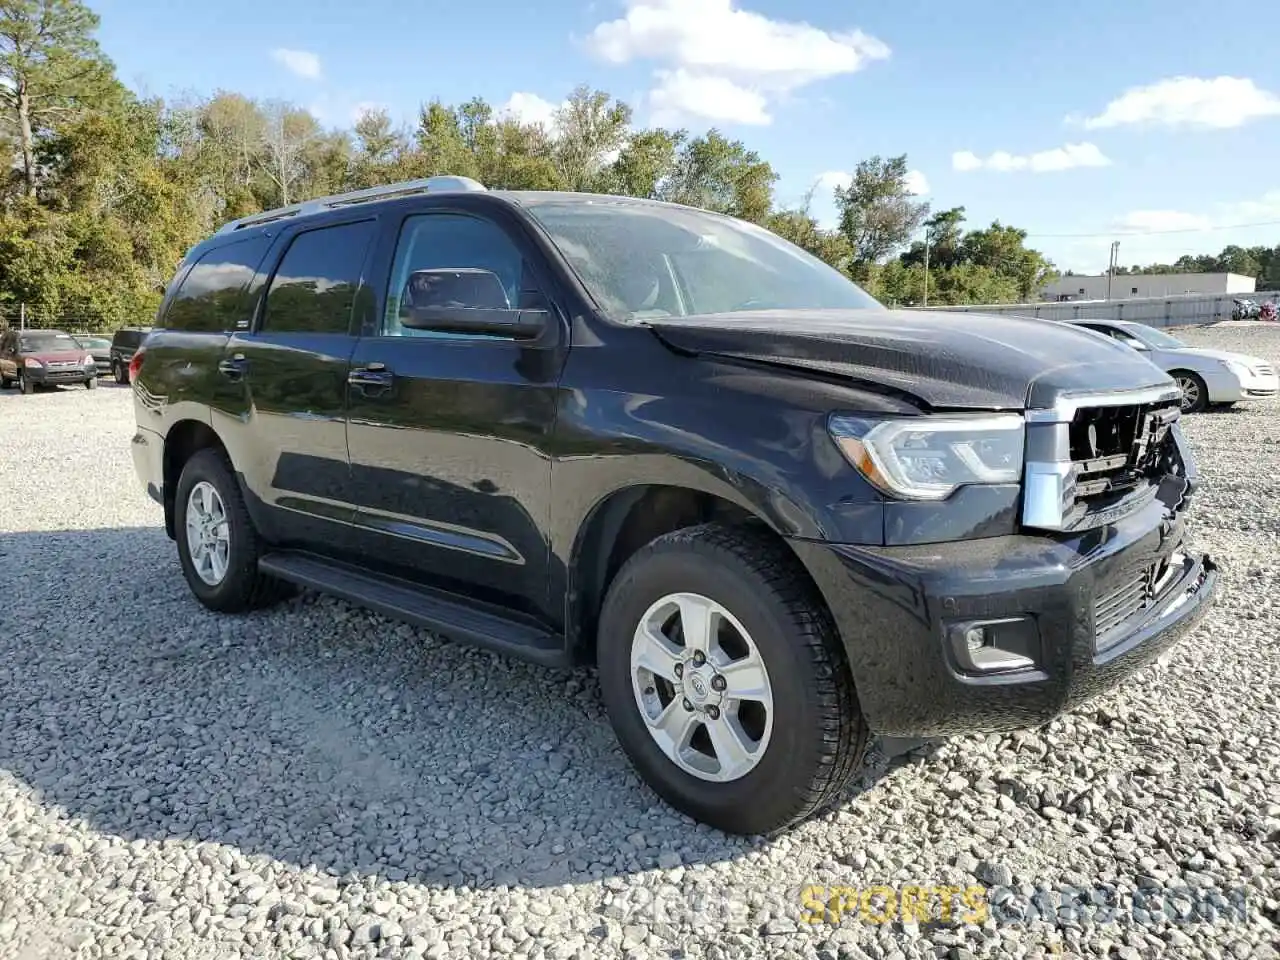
1195, 382
5, 383
25, 384
120, 371
91, 383
819, 735
243, 587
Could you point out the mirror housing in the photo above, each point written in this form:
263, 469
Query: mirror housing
518, 324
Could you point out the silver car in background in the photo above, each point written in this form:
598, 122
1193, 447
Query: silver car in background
1207, 377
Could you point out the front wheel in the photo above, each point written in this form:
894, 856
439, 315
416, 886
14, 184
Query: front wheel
1195, 394
91, 383
25, 384
120, 371
217, 543
725, 680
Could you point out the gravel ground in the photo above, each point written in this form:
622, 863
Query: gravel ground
316, 781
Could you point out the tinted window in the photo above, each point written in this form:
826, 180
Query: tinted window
211, 298
315, 285
445, 259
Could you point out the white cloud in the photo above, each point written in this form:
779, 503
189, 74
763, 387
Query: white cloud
1066, 157
301, 62
834, 178
720, 62
1214, 103
529, 108
680, 94
916, 181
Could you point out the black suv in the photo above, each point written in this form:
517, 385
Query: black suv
123, 346
778, 516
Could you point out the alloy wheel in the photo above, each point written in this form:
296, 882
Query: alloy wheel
208, 533
702, 687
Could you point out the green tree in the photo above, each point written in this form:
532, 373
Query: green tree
645, 163
721, 175
50, 68
590, 128
878, 212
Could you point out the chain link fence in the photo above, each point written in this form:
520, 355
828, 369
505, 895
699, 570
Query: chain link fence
20, 317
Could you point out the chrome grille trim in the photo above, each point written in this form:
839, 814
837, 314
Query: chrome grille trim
1066, 407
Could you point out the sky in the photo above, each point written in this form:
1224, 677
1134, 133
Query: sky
1155, 123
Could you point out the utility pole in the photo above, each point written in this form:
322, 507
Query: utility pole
927, 237
1112, 264
22, 316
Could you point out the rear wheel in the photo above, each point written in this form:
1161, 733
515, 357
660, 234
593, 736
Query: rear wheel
217, 543
1195, 395
726, 682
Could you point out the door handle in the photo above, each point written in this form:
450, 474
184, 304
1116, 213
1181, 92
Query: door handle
371, 375
233, 367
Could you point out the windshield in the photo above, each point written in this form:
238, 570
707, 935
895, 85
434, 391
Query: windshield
644, 260
48, 343
94, 343
1152, 337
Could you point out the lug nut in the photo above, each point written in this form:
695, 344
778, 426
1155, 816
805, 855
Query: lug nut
679, 669
713, 713
699, 658
718, 682
688, 706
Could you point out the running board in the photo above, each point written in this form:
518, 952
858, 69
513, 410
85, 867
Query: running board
467, 621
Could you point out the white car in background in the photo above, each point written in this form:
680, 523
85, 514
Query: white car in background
1207, 377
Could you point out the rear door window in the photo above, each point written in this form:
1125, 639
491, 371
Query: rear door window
315, 286
211, 298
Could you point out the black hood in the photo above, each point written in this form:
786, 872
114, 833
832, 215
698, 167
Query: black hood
946, 360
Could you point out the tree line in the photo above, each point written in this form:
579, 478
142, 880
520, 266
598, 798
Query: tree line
108, 189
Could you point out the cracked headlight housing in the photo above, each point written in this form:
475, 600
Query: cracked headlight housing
928, 458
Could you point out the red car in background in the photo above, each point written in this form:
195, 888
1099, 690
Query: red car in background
37, 358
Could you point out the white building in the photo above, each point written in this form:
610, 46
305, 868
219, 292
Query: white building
1125, 286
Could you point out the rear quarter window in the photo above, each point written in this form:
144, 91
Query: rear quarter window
211, 298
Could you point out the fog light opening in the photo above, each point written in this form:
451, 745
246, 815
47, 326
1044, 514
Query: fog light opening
999, 645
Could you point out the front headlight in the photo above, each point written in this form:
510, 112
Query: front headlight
926, 458
1240, 370
89, 361
33, 363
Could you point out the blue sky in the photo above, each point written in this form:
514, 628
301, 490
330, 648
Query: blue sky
1153, 123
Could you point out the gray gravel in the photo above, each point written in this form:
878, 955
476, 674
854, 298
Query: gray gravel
316, 781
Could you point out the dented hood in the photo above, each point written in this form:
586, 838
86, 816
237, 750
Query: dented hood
945, 360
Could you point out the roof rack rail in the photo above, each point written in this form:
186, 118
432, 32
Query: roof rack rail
403, 189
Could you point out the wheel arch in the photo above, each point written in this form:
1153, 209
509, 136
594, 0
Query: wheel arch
628, 518
182, 441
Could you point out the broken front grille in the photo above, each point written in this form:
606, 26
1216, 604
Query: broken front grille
1115, 450
1091, 459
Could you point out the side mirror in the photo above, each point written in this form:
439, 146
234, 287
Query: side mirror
466, 300
492, 321
1139, 345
